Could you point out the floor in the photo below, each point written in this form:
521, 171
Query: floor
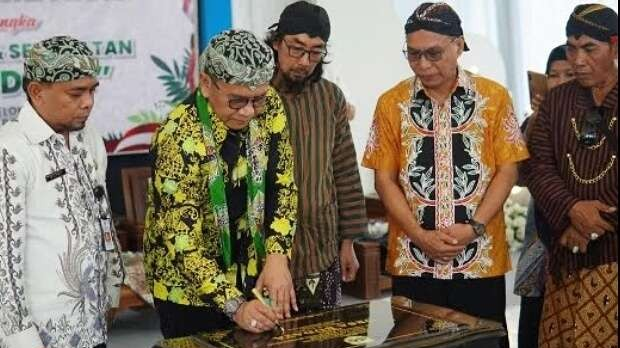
140, 329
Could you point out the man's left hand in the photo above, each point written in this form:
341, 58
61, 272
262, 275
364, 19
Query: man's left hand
276, 278
350, 110
348, 261
463, 233
574, 241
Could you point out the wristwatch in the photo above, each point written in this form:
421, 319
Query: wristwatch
479, 228
232, 306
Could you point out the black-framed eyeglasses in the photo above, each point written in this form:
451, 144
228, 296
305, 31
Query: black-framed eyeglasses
315, 56
433, 54
238, 103
590, 128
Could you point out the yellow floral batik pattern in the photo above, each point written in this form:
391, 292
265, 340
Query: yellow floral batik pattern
181, 241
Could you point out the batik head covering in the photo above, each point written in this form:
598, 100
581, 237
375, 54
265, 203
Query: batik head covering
436, 17
558, 53
60, 59
596, 21
302, 17
239, 58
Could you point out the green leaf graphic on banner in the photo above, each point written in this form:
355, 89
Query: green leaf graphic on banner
145, 117
134, 119
176, 69
174, 78
161, 64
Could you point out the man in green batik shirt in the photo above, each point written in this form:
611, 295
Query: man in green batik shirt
223, 202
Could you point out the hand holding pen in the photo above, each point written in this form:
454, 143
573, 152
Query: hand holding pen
259, 297
255, 317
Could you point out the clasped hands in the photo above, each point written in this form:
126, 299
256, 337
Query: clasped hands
445, 244
587, 224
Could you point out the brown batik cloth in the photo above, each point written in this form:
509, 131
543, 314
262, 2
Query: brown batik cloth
581, 310
320, 291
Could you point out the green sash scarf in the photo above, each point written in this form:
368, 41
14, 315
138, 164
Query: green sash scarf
255, 179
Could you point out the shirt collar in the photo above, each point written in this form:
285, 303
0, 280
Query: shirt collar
33, 126
38, 131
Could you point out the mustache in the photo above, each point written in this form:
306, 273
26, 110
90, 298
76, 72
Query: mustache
301, 71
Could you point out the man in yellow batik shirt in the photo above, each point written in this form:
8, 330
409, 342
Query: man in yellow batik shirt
444, 146
223, 202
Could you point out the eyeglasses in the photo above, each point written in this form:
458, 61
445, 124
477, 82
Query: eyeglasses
433, 54
238, 103
314, 56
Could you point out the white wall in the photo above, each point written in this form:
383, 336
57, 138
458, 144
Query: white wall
257, 15
365, 49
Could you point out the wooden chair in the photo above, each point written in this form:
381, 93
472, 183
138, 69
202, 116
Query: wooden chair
131, 228
370, 280
135, 184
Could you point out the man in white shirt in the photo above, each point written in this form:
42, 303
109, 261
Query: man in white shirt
60, 269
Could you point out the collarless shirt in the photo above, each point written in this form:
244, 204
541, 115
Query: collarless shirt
331, 200
562, 171
56, 279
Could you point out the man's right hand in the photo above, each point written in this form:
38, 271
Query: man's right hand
586, 217
255, 317
437, 245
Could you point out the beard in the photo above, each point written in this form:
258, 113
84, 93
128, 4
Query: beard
293, 84
295, 81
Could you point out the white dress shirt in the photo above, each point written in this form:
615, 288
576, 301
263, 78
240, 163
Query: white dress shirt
57, 280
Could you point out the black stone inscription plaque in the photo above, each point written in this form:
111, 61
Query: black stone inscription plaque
379, 324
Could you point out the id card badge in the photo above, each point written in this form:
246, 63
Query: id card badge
108, 239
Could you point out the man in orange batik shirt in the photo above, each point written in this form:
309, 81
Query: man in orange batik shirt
444, 146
